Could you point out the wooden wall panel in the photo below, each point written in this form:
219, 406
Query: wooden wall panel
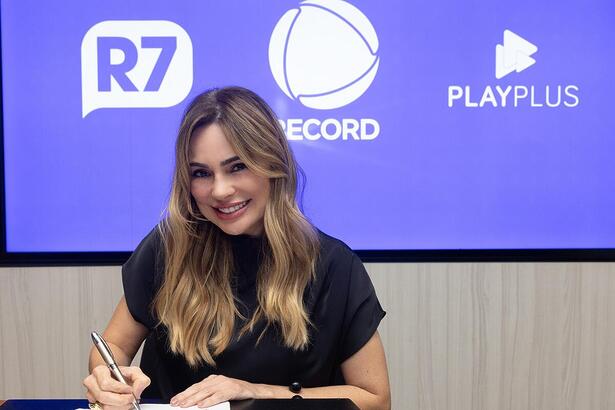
457, 336
46, 316
499, 336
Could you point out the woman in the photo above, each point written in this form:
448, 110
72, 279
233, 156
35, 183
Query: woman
238, 295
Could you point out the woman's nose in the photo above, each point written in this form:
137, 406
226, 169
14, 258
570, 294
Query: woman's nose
222, 188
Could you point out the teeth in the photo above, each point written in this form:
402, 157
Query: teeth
233, 208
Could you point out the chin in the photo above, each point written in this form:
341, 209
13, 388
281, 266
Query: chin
231, 230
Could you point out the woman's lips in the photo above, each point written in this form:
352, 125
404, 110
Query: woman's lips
233, 214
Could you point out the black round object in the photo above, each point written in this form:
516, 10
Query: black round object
295, 387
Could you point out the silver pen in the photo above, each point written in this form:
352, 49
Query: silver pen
107, 355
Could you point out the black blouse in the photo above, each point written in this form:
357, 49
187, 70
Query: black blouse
341, 303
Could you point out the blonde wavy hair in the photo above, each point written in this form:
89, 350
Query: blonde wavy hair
195, 301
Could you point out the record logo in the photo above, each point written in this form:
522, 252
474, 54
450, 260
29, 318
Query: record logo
324, 53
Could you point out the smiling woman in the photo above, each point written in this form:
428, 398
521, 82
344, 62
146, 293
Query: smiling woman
227, 193
237, 294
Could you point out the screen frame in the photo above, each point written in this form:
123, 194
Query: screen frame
34, 259
43, 259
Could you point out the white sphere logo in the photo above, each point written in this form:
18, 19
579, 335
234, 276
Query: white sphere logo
324, 53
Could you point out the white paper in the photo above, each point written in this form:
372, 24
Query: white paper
220, 406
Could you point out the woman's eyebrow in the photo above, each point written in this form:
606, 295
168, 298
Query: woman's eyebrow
228, 161
198, 164
223, 163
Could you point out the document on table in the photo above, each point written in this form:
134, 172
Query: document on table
221, 406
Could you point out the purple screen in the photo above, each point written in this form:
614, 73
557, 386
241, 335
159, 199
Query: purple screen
419, 125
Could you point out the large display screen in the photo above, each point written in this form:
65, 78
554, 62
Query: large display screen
419, 125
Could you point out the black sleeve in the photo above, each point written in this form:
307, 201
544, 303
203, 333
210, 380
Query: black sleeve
363, 312
141, 276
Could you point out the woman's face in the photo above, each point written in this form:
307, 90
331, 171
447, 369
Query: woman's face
225, 190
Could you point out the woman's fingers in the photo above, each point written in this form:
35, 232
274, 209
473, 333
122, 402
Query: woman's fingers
91, 399
213, 390
109, 398
102, 388
136, 378
214, 399
196, 397
184, 397
181, 397
107, 383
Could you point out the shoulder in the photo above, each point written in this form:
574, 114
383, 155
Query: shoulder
337, 264
142, 275
343, 301
149, 250
151, 242
333, 250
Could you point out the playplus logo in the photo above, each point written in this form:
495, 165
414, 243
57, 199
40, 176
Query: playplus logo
514, 55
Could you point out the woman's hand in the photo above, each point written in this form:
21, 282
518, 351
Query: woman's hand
110, 393
213, 390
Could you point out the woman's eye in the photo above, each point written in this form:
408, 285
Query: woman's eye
238, 167
200, 173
